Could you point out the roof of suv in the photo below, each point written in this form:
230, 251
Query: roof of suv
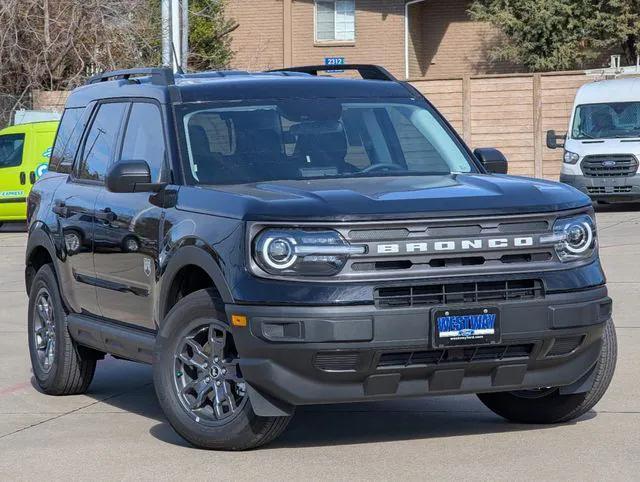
233, 85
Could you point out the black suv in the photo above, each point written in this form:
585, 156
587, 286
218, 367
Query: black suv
275, 239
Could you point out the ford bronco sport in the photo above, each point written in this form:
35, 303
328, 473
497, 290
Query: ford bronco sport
269, 240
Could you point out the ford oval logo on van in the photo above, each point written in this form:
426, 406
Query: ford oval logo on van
608, 163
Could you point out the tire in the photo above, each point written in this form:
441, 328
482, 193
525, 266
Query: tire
550, 406
206, 420
60, 366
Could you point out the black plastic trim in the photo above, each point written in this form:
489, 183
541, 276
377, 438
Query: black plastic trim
124, 341
367, 71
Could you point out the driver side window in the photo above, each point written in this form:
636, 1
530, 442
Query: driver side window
144, 138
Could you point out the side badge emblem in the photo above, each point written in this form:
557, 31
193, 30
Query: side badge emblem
147, 266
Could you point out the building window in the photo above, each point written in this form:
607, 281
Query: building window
335, 20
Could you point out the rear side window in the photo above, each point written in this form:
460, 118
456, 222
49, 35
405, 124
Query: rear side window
67, 140
99, 146
144, 138
11, 148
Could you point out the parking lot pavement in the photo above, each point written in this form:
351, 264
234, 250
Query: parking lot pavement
117, 430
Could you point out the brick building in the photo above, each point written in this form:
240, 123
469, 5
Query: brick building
412, 38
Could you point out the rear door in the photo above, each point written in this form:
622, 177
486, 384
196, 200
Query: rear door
74, 205
13, 179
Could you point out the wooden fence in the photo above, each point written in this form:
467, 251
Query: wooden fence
510, 112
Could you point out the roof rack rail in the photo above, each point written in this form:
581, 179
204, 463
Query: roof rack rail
159, 75
367, 71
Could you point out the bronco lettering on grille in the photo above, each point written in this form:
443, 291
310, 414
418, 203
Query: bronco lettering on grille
456, 245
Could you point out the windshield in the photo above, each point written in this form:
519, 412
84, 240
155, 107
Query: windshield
610, 120
317, 138
11, 146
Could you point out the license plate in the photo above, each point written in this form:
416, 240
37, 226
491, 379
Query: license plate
470, 326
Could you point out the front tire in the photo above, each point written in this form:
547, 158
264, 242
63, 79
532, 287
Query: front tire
547, 406
199, 383
60, 366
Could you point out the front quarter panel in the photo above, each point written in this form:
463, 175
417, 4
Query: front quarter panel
215, 244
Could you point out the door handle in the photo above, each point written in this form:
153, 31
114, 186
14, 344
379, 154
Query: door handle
61, 209
32, 177
106, 215
23, 178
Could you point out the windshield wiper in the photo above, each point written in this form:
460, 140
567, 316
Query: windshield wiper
395, 173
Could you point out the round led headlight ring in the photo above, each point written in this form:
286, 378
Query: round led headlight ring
278, 252
579, 237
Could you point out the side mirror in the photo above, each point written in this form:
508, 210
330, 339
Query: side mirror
130, 176
553, 138
492, 159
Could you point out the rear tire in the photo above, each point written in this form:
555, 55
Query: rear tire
60, 366
199, 383
550, 406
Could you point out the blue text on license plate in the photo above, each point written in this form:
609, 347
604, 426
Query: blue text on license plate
466, 325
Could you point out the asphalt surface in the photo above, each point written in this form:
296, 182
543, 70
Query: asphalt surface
117, 431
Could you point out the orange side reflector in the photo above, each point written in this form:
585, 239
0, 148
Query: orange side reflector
238, 320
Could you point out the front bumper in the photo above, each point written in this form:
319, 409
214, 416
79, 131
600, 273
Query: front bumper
308, 355
605, 188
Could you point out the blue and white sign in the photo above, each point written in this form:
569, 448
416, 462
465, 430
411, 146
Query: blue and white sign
334, 61
41, 170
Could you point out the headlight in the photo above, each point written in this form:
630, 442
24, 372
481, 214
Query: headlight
302, 252
571, 157
573, 238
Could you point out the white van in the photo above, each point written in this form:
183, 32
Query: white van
602, 145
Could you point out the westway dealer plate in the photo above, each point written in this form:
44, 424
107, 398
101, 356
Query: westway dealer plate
469, 326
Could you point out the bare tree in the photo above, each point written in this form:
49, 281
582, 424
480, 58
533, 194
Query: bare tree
55, 44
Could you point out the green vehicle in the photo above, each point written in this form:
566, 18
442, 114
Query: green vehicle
24, 158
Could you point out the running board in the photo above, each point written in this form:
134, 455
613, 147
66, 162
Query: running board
115, 339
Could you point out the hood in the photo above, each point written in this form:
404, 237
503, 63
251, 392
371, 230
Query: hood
604, 146
382, 198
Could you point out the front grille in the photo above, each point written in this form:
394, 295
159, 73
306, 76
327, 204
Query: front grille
444, 248
379, 234
614, 165
564, 346
610, 190
454, 355
333, 361
442, 294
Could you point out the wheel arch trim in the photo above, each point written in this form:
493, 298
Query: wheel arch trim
191, 255
40, 238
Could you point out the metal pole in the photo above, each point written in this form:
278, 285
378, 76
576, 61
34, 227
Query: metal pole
166, 33
175, 34
185, 35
